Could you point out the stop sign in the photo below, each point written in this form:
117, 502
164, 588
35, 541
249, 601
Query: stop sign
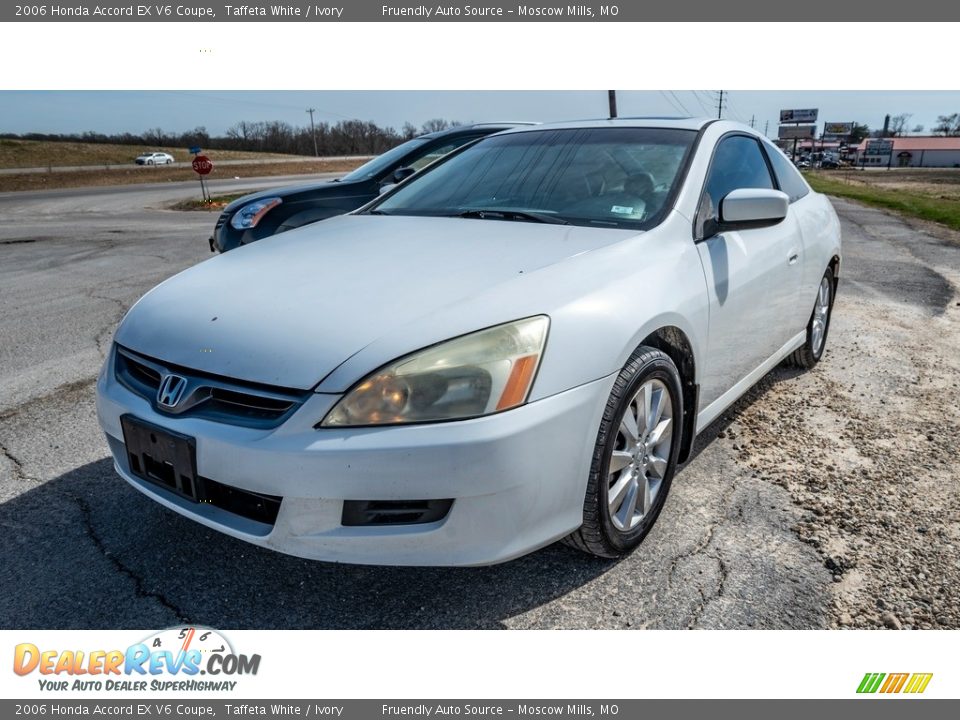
202, 165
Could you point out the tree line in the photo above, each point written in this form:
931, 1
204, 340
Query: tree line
346, 137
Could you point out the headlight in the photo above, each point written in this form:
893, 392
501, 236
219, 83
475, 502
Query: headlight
473, 375
249, 215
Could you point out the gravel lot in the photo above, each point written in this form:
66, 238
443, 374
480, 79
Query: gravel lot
826, 499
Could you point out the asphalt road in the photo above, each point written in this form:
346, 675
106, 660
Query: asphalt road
758, 532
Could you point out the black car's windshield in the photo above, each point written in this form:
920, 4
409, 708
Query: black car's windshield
380, 163
611, 176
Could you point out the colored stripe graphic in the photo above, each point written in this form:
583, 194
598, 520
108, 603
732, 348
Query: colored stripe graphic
870, 682
894, 683
918, 682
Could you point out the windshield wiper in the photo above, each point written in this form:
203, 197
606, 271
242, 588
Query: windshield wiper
508, 214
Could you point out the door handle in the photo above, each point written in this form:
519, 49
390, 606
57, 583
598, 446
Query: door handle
793, 259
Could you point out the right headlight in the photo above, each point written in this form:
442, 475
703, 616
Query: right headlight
473, 375
249, 215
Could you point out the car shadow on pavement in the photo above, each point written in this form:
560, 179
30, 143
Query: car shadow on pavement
88, 551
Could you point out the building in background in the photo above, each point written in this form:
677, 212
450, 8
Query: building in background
932, 152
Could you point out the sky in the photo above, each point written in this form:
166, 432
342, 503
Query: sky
69, 111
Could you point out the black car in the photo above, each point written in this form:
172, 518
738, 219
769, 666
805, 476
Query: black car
259, 215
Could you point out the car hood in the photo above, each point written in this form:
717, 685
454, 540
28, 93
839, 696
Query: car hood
315, 190
289, 310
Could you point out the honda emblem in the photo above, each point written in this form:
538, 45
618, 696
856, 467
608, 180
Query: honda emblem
171, 391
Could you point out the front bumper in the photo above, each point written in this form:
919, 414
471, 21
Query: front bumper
517, 479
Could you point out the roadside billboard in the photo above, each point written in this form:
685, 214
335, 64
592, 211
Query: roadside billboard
799, 116
838, 128
797, 132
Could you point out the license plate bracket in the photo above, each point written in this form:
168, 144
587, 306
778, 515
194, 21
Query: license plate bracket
162, 457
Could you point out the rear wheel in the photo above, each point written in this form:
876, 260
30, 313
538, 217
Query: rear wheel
809, 354
635, 456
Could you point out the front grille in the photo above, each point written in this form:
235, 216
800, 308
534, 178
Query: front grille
394, 512
222, 220
207, 396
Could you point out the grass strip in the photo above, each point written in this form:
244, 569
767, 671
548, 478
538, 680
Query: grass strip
926, 207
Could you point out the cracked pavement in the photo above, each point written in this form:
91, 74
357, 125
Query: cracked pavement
782, 518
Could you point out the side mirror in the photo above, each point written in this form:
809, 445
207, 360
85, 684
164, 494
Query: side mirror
401, 174
750, 207
747, 209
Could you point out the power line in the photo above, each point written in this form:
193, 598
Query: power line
672, 104
253, 103
674, 96
696, 97
735, 111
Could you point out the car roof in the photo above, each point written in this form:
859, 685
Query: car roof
680, 123
491, 126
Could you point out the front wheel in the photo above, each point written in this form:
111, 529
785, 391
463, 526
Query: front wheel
635, 456
809, 354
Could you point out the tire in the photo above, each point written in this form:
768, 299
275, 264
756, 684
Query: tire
809, 354
613, 532
149, 162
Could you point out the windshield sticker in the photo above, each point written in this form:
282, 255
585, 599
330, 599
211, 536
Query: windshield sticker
621, 210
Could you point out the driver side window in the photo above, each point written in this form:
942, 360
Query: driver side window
738, 163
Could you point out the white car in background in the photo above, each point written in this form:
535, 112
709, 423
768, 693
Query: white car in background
155, 158
517, 346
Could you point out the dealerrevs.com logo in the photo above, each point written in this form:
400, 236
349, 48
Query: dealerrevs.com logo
172, 659
910, 683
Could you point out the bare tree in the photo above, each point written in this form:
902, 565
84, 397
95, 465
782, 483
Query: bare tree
947, 125
898, 124
435, 125
917, 129
155, 136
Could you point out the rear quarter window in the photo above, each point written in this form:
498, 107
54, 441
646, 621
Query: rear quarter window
788, 177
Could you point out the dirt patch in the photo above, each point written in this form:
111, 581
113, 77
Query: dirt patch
867, 445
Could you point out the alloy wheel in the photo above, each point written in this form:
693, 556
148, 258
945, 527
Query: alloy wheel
821, 311
640, 456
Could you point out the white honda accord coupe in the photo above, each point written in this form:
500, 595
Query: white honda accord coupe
517, 345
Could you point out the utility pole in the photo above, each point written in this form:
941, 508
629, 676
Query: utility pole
752, 120
612, 101
720, 106
313, 133
766, 129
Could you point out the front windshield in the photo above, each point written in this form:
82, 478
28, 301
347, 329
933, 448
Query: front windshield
609, 176
380, 163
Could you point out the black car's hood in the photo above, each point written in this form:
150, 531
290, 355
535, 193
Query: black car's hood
313, 191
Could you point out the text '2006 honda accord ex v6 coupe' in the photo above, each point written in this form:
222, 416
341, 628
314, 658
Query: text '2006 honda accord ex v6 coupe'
516, 346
